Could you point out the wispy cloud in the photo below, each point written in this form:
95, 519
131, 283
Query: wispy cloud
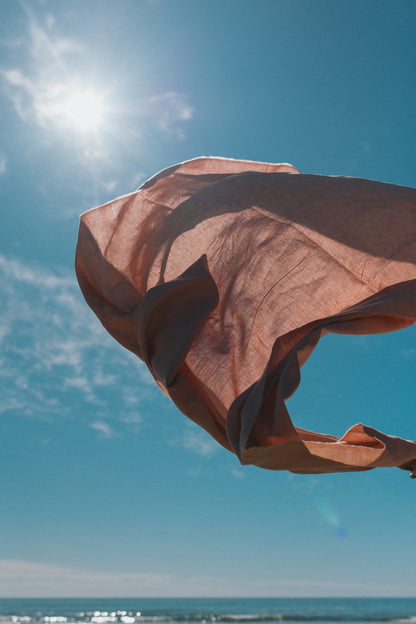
239, 474
198, 441
32, 579
26, 578
170, 110
103, 428
3, 164
52, 83
34, 89
57, 360
49, 74
408, 352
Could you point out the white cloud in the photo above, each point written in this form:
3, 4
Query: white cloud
57, 360
11, 404
50, 45
132, 418
38, 277
103, 428
110, 185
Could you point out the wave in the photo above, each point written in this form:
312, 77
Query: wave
128, 617
275, 617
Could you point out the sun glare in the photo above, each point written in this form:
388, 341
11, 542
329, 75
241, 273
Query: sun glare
81, 111
84, 111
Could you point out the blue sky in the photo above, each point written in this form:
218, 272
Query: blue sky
106, 489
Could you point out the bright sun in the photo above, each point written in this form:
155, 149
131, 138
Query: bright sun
82, 111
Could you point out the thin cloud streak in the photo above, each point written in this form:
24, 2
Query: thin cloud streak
103, 428
3, 164
32, 579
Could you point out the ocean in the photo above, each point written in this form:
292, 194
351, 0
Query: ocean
206, 610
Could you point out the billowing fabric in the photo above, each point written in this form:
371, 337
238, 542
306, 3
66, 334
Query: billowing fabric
222, 275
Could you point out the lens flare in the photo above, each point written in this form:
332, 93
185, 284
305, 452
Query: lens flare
330, 516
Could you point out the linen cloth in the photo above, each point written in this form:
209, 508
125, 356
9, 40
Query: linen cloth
222, 275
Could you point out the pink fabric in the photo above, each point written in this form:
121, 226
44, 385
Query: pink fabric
222, 275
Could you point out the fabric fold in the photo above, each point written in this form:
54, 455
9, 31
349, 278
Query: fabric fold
160, 319
222, 275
